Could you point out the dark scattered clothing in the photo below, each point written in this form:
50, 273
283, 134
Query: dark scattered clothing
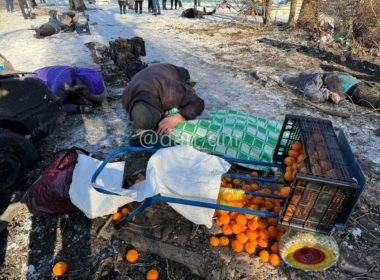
167, 82
194, 13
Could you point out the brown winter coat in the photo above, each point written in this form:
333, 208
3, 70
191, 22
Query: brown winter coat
167, 83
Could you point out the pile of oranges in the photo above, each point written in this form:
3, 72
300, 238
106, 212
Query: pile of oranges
246, 232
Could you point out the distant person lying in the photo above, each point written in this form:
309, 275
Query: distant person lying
54, 25
194, 13
79, 88
319, 86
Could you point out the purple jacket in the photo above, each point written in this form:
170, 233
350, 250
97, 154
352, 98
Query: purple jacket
56, 76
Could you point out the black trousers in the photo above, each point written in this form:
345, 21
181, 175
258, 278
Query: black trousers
122, 6
177, 2
150, 5
138, 6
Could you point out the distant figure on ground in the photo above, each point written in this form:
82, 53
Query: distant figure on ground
123, 6
156, 90
54, 25
9, 4
194, 13
79, 88
138, 6
319, 86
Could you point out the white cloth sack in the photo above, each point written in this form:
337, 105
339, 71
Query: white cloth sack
179, 171
93, 203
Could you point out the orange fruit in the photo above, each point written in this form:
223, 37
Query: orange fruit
263, 243
296, 146
250, 247
226, 229
254, 207
229, 186
227, 179
225, 219
243, 228
224, 241
59, 268
268, 205
152, 274
214, 241
289, 161
303, 169
257, 200
254, 174
285, 191
238, 204
227, 196
252, 235
254, 187
236, 182
116, 217
218, 223
235, 229
272, 221
236, 246
125, 211
241, 220
242, 237
253, 225
300, 158
293, 153
272, 231
274, 259
274, 247
233, 215
132, 256
247, 188
288, 176
264, 256
263, 234
294, 166
263, 224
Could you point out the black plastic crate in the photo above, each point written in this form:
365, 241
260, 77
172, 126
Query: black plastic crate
326, 193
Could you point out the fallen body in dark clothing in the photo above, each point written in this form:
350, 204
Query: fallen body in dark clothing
194, 13
56, 25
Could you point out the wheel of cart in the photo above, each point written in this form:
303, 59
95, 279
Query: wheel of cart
318, 204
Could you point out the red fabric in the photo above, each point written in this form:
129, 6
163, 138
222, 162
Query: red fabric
50, 193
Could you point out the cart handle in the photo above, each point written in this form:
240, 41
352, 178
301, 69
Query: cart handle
153, 150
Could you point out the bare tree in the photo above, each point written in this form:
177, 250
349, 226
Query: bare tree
266, 11
309, 13
292, 14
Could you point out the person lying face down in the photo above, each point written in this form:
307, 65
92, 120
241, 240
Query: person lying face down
78, 88
155, 90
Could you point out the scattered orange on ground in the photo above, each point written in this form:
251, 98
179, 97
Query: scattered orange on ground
116, 217
264, 256
59, 268
274, 247
214, 241
132, 256
224, 241
250, 247
152, 274
274, 259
